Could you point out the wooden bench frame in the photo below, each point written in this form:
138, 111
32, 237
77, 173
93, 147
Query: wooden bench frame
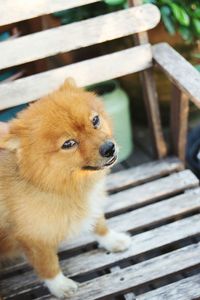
160, 195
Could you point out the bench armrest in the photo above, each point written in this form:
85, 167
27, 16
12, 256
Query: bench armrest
179, 71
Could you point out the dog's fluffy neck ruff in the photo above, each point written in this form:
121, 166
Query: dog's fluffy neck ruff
74, 182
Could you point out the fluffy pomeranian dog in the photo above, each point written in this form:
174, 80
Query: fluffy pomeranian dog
53, 163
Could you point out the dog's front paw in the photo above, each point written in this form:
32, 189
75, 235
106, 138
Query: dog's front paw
114, 241
61, 286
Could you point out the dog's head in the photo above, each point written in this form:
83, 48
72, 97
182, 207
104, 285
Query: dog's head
65, 132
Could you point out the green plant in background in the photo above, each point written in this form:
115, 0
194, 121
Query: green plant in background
182, 16
89, 11
197, 57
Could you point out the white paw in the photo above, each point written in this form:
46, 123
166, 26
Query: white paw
114, 241
61, 286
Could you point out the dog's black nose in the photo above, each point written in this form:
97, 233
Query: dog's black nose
107, 149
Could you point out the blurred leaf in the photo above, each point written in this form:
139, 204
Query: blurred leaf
196, 55
196, 24
197, 67
196, 12
165, 10
167, 20
180, 14
185, 33
150, 1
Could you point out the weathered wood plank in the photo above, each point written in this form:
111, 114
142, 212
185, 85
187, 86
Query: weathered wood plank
85, 73
179, 71
98, 259
146, 172
10, 13
80, 34
151, 191
135, 220
141, 243
179, 122
150, 97
185, 289
130, 277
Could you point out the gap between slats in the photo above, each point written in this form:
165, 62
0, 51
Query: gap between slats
146, 172
77, 35
11, 13
141, 243
185, 289
139, 218
139, 274
85, 73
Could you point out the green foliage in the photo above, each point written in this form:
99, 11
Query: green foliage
181, 16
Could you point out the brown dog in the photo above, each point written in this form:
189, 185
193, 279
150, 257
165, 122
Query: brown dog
52, 169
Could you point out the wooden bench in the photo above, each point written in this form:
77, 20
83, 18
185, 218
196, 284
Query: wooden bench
158, 202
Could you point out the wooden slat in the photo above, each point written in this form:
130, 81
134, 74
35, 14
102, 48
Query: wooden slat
81, 34
134, 220
130, 277
151, 191
97, 259
146, 172
85, 73
14, 12
150, 97
179, 71
179, 122
185, 289
141, 243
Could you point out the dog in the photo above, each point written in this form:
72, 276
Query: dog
53, 161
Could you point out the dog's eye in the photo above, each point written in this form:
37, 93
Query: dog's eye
96, 121
69, 144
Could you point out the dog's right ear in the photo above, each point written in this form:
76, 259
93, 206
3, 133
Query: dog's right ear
69, 82
8, 139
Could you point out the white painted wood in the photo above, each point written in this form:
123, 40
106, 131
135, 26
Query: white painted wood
11, 12
85, 73
134, 220
124, 279
138, 274
141, 243
185, 289
81, 34
151, 191
179, 71
146, 172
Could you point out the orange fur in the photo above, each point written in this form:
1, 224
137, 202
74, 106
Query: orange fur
43, 188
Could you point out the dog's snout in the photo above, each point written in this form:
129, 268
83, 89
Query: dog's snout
107, 149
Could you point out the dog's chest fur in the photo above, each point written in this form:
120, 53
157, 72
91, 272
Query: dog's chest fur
54, 218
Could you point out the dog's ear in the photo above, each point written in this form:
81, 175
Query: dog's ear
9, 139
69, 82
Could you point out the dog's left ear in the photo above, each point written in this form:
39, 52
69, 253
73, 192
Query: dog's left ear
69, 82
8, 138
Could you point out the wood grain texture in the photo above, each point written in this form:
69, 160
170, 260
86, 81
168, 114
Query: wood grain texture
80, 34
10, 13
151, 191
130, 277
141, 243
145, 172
132, 221
85, 73
98, 259
185, 289
150, 97
179, 71
179, 122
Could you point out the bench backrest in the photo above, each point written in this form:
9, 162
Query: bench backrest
70, 37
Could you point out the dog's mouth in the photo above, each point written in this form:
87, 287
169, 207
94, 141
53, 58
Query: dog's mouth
109, 163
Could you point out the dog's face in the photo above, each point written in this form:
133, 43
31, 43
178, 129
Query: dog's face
65, 132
